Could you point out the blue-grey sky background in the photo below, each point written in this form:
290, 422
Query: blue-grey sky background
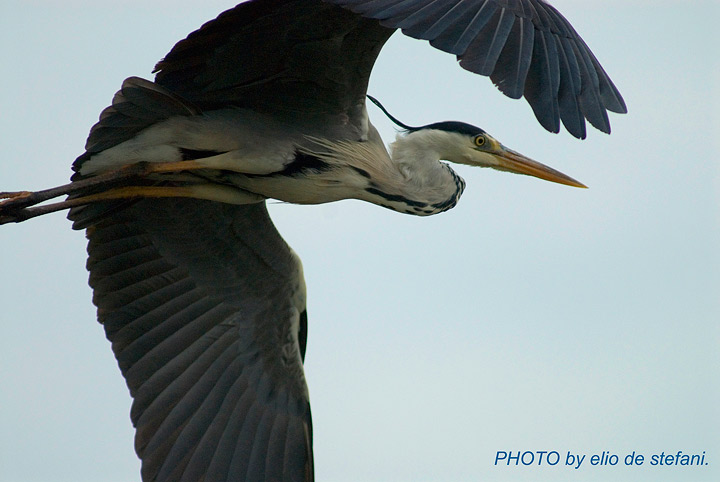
533, 316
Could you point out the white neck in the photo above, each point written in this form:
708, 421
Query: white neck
412, 180
416, 174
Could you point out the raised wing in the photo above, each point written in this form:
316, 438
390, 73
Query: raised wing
316, 58
204, 305
525, 46
292, 57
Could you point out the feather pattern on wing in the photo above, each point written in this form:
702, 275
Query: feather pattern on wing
525, 46
204, 305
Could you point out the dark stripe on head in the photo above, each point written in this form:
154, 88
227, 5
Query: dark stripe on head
448, 126
452, 126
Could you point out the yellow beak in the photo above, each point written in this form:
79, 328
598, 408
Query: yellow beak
511, 161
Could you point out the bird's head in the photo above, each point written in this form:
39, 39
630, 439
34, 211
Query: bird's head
463, 143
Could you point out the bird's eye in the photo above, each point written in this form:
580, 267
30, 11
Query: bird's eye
480, 140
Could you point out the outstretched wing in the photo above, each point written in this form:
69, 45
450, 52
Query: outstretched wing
525, 46
204, 305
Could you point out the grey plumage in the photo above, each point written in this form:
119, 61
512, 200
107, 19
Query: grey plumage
206, 359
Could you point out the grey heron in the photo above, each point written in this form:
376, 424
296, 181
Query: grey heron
200, 297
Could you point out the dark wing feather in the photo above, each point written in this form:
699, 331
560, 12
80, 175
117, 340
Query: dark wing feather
543, 80
197, 300
512, 67
525, 46
301, 57
483, 52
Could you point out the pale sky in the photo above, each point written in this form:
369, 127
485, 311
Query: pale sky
531, 317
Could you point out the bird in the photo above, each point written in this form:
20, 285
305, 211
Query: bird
202, 300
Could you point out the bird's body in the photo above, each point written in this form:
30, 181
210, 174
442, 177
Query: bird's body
203, 301
300, 168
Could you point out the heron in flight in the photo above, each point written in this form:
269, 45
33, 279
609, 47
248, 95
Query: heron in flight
202, 300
